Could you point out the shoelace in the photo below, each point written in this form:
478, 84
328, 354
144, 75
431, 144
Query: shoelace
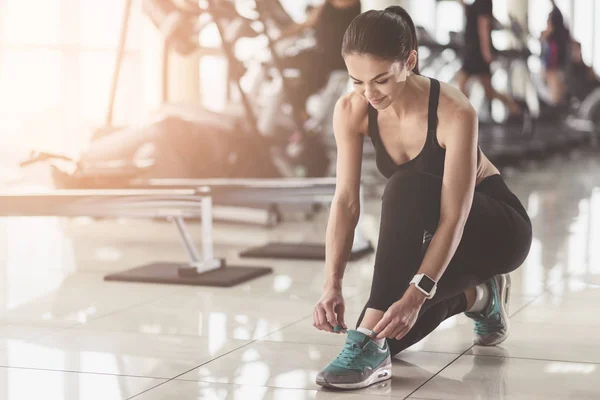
349, 355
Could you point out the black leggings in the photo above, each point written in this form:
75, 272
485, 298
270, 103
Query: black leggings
496, 240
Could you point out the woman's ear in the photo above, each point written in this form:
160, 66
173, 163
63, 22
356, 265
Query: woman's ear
412, 61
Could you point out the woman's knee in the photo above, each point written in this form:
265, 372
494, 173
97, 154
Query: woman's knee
518, 252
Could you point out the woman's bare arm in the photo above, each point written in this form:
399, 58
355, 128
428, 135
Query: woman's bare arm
458, 186
484, 27
345, 208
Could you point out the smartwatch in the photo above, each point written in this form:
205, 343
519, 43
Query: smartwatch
425, 284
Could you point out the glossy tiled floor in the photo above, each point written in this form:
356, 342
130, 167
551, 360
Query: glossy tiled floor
67, 334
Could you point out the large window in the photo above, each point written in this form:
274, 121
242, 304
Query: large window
582, 30
450, 18
596, 52
56, 63
538, 15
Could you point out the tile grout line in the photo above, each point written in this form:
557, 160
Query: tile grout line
534, 359
167, 380
437, 373
470, 348
527, 304
80, 372
214, 359
261, 339
63, 329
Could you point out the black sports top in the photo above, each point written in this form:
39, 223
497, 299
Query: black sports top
431, 158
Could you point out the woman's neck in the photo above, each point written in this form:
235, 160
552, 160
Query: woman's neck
412, 95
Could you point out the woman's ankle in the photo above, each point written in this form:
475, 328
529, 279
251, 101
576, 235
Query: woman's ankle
371, 318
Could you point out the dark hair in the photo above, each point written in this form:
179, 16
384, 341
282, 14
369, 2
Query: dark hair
389, 34
558, 23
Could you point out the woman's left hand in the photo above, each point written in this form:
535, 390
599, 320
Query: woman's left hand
400, 317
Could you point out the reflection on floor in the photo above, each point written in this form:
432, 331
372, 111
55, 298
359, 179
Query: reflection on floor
67, 334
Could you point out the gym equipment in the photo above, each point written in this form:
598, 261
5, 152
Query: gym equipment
438, 57
562, 127
231, 144
173, 204
589, 108
548, 132
222, 147
269, 192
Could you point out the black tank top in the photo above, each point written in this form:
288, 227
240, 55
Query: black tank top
431, 158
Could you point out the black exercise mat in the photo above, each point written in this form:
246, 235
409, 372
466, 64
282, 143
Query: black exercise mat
298, 251
169, 273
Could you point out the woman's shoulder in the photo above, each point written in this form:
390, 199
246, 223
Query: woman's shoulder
351, 112
453, 103
352, 107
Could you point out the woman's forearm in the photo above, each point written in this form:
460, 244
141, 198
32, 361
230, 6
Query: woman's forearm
338, 241
443, 245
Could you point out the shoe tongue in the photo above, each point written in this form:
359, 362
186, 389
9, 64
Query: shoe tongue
356, 336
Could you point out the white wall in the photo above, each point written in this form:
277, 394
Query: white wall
381, 4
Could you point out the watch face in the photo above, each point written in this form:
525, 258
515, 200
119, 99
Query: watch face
426, 284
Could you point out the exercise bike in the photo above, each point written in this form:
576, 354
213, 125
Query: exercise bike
201, 144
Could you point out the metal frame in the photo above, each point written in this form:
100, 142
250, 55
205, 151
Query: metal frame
175, 199
173, 204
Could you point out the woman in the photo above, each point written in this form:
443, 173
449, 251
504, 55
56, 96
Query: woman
329, 22
555, 52
439, 183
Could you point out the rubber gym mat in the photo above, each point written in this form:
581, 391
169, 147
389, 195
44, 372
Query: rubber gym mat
298, 251
169, 273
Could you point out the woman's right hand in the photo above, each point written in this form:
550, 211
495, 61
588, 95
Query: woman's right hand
329, 311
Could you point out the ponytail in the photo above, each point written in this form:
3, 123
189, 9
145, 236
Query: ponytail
401, 13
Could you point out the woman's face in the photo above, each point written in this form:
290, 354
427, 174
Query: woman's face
379, 81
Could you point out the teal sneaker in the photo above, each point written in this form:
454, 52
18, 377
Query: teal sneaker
492, 325
360, 364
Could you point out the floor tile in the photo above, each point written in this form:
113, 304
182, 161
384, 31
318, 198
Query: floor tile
130, 354
223, 316
575, 343
70, 299
579, 310
21, 333
176, 390
295, 366
21, 384
497, 377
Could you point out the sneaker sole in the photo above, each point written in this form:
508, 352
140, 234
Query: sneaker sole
504, 288
381, 374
